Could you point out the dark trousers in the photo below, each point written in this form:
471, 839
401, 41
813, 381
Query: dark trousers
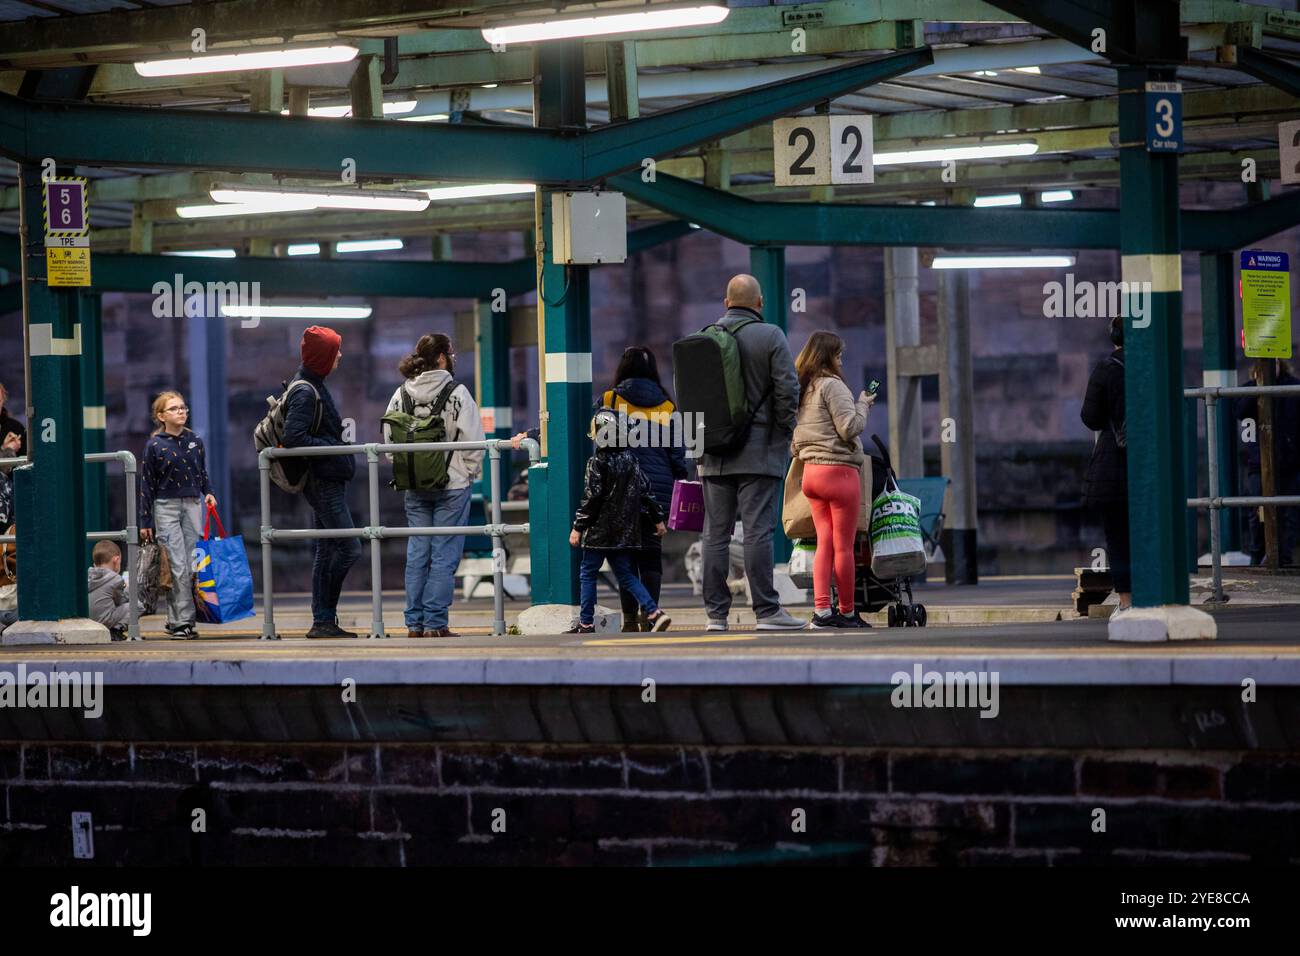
1288, 519
334, 556
1114, 521
648, 565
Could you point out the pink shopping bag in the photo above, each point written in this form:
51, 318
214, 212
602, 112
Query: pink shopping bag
687, 511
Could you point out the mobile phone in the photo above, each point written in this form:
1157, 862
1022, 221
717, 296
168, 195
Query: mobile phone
873, 386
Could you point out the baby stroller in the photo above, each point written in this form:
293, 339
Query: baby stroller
870, 592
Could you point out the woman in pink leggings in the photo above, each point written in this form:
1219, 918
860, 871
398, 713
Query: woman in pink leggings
826, 441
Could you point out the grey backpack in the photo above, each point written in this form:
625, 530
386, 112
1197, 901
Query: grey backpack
287, 473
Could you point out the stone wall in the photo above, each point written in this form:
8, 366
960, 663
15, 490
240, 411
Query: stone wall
421, 804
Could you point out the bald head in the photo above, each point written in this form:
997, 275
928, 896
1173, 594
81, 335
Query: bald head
743, 292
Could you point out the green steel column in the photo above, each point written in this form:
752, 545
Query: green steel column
767, 265
94, 419
52, 542
1219, 363
564, 310
1153, 347
492, 354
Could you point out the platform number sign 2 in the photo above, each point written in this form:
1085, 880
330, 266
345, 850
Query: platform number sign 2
1288, 143
1164, 110
822, 150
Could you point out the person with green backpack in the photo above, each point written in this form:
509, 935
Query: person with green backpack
431, 406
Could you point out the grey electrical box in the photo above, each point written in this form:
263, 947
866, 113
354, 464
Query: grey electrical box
588, 227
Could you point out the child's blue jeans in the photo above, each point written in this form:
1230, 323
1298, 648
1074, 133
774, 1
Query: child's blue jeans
624, 564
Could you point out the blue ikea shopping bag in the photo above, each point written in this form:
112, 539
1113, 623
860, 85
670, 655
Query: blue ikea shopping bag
223, 584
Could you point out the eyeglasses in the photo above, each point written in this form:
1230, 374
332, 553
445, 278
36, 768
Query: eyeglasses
177, 408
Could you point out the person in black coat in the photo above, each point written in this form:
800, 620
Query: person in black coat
1105, 484
1286, 462
311, 419
660, 453
613, 520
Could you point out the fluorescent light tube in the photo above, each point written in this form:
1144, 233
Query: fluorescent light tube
427, 118
256, 60
303, 249
648, 19
297, 311
1008, 199
290, 199
988, 151
1056, 195
480, 189
368, 245
208, 211
204, 253
345, 109
1002, 262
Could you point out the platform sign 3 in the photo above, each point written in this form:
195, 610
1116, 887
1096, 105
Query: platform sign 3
1266, 304
1288, 147
822, 150
65, 207
1164, 109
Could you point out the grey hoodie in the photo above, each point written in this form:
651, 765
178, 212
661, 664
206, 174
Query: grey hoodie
108, 602
460, 413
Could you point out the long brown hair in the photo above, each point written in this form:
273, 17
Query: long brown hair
820, 357
425, 356
159, 404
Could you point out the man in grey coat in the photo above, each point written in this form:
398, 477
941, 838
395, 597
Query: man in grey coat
749, 481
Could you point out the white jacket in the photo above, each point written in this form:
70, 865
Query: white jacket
460, 413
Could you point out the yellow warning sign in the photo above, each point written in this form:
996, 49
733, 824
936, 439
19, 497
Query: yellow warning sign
67, 266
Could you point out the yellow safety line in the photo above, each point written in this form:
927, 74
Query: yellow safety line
623, 642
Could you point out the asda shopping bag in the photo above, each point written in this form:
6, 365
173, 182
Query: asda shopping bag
223, 584
896, 546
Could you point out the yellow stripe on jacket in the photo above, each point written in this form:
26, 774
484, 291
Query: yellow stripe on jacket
660, 414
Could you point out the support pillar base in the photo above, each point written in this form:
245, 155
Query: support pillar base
71, 630
1172, 622
960, 549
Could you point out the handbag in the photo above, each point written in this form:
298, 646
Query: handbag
223, 583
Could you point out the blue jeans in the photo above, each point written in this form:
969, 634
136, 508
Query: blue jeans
624, 564
334, 556
431, 562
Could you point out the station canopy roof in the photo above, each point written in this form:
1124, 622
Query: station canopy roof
995, 79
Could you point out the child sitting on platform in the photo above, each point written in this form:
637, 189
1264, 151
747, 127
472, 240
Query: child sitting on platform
611, 521
107, 589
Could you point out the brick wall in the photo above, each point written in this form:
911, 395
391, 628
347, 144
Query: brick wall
435, 804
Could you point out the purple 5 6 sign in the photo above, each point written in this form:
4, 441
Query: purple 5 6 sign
65, 206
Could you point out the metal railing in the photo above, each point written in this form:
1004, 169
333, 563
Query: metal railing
376, 532
1215, 501
130, 534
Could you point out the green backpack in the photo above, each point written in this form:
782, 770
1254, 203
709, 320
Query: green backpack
420, 470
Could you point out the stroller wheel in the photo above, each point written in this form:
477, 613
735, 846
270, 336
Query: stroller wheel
892, 615
905, 612
920, 615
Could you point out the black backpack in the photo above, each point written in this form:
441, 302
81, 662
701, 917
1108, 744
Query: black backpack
709, 380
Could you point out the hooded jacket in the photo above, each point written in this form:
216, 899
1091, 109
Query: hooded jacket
1106, 480
830, 424
461, 415
300, 412
618, 510
663, 459
108, 601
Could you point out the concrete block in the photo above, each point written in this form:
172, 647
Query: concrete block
1172, 622
71, 630
558, 618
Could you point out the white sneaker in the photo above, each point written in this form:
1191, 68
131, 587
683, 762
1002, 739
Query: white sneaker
716, 625
782, 620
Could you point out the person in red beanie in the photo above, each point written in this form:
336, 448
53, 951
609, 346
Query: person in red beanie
311, 419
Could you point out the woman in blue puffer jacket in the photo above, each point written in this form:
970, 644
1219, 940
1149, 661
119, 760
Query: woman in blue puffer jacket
656, 441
